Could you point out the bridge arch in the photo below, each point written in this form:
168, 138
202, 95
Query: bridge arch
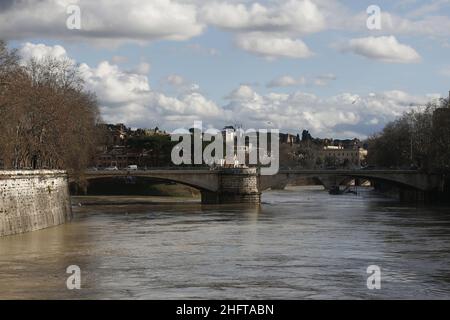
200, 180
412, 180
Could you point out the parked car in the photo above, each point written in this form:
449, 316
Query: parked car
132, 167
112, 169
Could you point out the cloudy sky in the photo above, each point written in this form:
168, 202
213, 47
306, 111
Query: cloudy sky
288, 64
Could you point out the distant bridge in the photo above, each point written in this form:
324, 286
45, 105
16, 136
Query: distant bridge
246, 184
404, 178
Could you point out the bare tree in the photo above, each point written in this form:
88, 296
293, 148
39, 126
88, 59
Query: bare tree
49, 119
418, 138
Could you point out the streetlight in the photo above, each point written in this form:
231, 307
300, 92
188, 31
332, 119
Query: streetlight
412, 127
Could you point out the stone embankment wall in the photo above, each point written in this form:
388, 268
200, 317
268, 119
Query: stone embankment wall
33, 200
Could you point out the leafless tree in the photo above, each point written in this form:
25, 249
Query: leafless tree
418, 138
47, 117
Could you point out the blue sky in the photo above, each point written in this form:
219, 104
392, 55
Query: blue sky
294, 64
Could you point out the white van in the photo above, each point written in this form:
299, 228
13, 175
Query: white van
132, 167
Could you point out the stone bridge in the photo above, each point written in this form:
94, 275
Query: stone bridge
244, 185
403, 178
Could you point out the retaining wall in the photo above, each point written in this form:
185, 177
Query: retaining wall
33, 200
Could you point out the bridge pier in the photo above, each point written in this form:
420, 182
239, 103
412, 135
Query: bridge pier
237, 185
331, 181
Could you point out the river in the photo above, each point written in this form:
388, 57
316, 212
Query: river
301, 243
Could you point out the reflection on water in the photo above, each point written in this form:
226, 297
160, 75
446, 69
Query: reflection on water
299, 244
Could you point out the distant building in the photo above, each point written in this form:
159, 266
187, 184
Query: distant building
288, 138
116, 151
115, 157
114, 134
344, 143
149, 132
340, 156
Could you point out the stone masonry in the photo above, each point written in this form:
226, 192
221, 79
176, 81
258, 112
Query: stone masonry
239, 185
33, 200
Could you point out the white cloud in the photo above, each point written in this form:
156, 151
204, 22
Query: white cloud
384, 48
142, 68
289, 81
373, 121
179, 85
175, 80
286, 81
126, 96
244, 92
428, 25
103, 21
332, 116
271, 31
119, 59
427, 20
114, 85
294, 18
298, 16
113, 22
273, 46
39, 51
324, 80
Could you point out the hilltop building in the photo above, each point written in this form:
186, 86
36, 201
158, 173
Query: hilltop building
338, 156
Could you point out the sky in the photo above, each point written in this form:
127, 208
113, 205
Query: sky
285, 64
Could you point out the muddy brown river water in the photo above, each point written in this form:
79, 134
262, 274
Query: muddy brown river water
301, 243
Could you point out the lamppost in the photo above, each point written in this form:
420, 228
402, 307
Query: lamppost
412, 130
